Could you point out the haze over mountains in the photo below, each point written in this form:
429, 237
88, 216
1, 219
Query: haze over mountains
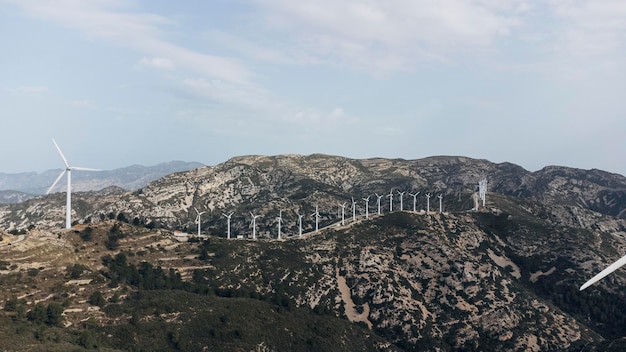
17, 187
504, 277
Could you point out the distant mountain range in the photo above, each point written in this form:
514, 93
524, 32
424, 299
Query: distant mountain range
18, 187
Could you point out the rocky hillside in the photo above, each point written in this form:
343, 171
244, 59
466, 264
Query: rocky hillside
8, 197
296, 184
504, 277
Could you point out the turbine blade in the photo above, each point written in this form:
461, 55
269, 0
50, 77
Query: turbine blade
61, 153
196, 209
611, 268
84, 169
56, 181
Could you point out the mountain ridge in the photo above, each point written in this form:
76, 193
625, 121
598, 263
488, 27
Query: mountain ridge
16, 187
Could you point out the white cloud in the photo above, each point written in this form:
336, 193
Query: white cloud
388, 36
82, 103
116, 23
30, 89
591, 27
158, 63
257, 105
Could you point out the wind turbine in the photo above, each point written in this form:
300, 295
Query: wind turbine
68, 170
367, 207
228, 226
343, 213
427, 203
280, 220
353, 210
379, 197
611, 268
482, 190
401, 196
299, 224
414, 199
390, 195
440, 196
198, 219
254, 225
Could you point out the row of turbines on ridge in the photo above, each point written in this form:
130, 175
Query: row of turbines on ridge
482, 185
481, 195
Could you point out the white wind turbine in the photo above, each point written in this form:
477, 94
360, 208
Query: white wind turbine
353, 210
299, 224
68, 171
440, 196
228, 224
427, 203
482, 190
367, 207
414, 199
390, 195
343, 213
254, 217
378, 201
401, 196
280, 220
198, 219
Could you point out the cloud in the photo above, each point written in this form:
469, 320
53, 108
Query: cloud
30, 89
83, 103
158, 63
591, 27
390, 36
116, 23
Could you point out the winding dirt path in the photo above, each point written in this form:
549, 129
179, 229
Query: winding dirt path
348, 303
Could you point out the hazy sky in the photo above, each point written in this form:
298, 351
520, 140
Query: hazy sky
119, 82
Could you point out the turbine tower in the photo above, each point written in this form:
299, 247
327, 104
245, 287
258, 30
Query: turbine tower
401, 196
228, 224
367, 207
68, 171
482, 190
343, 213
440, 196
427, 203
198, 219
390, 195
254, 225
317, 219
414, 199
353, 210
299, 224
379, 197
280, 220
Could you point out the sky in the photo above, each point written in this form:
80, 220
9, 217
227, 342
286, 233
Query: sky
122, 82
